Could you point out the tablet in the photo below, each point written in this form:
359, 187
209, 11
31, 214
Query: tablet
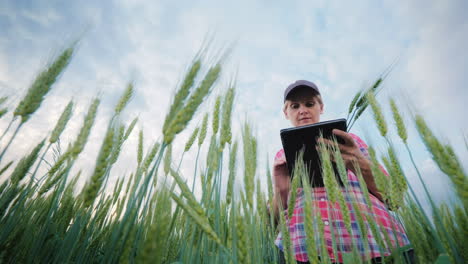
305, 138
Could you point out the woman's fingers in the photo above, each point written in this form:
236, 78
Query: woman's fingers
333, 145
349, 141
327, 142
279, 162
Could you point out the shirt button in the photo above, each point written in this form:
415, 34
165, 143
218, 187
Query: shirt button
326, 222
322, 199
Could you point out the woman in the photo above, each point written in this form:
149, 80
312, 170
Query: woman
303, 105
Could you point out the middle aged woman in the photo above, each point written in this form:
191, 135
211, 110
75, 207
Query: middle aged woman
303, 105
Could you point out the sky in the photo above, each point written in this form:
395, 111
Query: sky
343, 46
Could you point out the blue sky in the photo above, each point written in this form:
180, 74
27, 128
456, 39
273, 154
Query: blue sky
342, 46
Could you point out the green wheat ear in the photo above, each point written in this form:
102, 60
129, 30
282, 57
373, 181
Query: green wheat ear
203, 130
295, 184
3, 111
140, 147
269, 180
378, 115
25, 164
309, 221
42, 85
226, 120
284, 228
445, 159
354, 102
3, 99
201, 221
359, 103
5, 168
92, 188
381, 180
216, 111
399, 178
168, 159
232, 172
401, 128
85, 130
61, 123
329, 179
124, 99
191, 140
186, 113
118, 142
183, 92
250, 161
130, 128
150, 156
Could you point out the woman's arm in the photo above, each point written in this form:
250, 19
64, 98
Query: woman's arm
282, 183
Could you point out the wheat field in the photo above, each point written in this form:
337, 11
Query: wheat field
153, 215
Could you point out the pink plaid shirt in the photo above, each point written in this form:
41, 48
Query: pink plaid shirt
384, 219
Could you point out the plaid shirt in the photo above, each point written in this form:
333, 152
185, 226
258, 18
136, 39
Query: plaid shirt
385, 220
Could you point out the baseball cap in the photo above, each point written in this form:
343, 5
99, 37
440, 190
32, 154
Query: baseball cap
300, 83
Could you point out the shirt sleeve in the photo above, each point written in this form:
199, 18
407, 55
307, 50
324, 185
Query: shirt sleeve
279, 154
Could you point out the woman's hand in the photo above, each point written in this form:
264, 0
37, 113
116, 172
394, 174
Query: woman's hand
350, 151
352, 157
282, 183
281, 174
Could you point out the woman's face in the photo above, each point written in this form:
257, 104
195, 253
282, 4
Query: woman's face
303, 110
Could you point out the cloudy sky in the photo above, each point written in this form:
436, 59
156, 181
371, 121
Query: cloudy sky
343, 46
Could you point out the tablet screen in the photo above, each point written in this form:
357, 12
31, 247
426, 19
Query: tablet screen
305, 138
